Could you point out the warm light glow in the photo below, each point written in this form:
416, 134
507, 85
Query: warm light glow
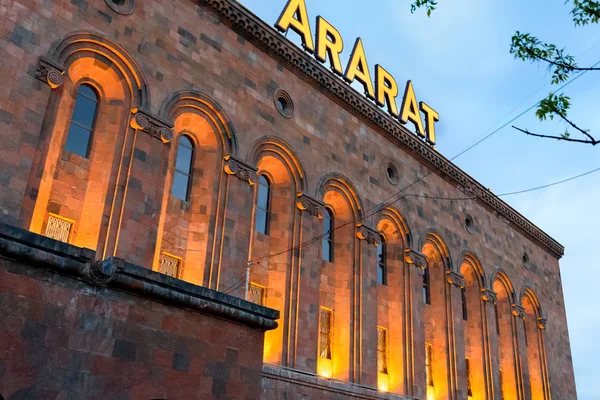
325, 367
383, 382
430, 393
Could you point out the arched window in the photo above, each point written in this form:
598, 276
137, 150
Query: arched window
183, 169
327, 243
426, 286
263, 206
82, 121
381, 262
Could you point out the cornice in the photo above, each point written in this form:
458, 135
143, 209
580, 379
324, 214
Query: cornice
415, 258
455, 278
256, 29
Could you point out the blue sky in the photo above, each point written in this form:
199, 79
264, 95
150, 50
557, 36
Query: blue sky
460, 64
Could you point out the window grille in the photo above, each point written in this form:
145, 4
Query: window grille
58, 228
468, 371
382, 350
325, 331
169, 265
256, 294
429, 364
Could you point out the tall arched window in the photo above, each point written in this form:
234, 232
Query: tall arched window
183, 169
327, 243
263, 206
82, 121
381, 262
426, 286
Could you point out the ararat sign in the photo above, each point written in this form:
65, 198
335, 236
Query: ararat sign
328, 44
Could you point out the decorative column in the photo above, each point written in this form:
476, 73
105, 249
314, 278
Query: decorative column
457, 388
414, 329
541, 324
305, 282
491, 345
365, 306
521, 366
233, 228
139, 182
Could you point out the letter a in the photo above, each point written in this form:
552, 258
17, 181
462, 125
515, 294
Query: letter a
294, 16
410, 109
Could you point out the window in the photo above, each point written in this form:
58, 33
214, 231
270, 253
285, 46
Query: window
525, 332
183, 169
497, 318
468, 372
82, 121
170, 265
463, 296
256, 294
381, 262
58, 228
429, 364
426, 286
325, 325
263, 206
327, 242
382, 353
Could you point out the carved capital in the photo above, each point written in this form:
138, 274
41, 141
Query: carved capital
152, 125
417, 259
50, 73
489, 295
370, 235
455, 278
541, 322
312, 206
102, 272
517, 311
241, 170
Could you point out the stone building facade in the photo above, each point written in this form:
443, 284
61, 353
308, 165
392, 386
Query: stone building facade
192, 139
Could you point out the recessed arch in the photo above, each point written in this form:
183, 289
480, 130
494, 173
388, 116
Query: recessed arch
399, 227
80, 44
340, 184
282, 151
196, 102
470, 259
502, 278
432, 242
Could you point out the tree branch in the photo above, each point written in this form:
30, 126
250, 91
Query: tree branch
575, 126
592, 141
559, 64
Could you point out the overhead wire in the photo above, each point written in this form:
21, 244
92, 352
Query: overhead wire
383, 205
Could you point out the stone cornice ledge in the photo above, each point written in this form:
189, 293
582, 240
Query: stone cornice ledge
258, 30
333, 386
36, 251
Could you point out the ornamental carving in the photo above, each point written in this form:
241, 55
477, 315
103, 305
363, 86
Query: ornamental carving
367, 234
102, 272
293, 56
455, 278
489, 295
413, 257
541, 322
50, 73
152, 125
517, 311
241, 170
312, 206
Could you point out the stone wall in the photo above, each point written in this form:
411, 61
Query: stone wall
118, 331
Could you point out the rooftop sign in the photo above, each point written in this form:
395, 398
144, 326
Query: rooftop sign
328, 44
